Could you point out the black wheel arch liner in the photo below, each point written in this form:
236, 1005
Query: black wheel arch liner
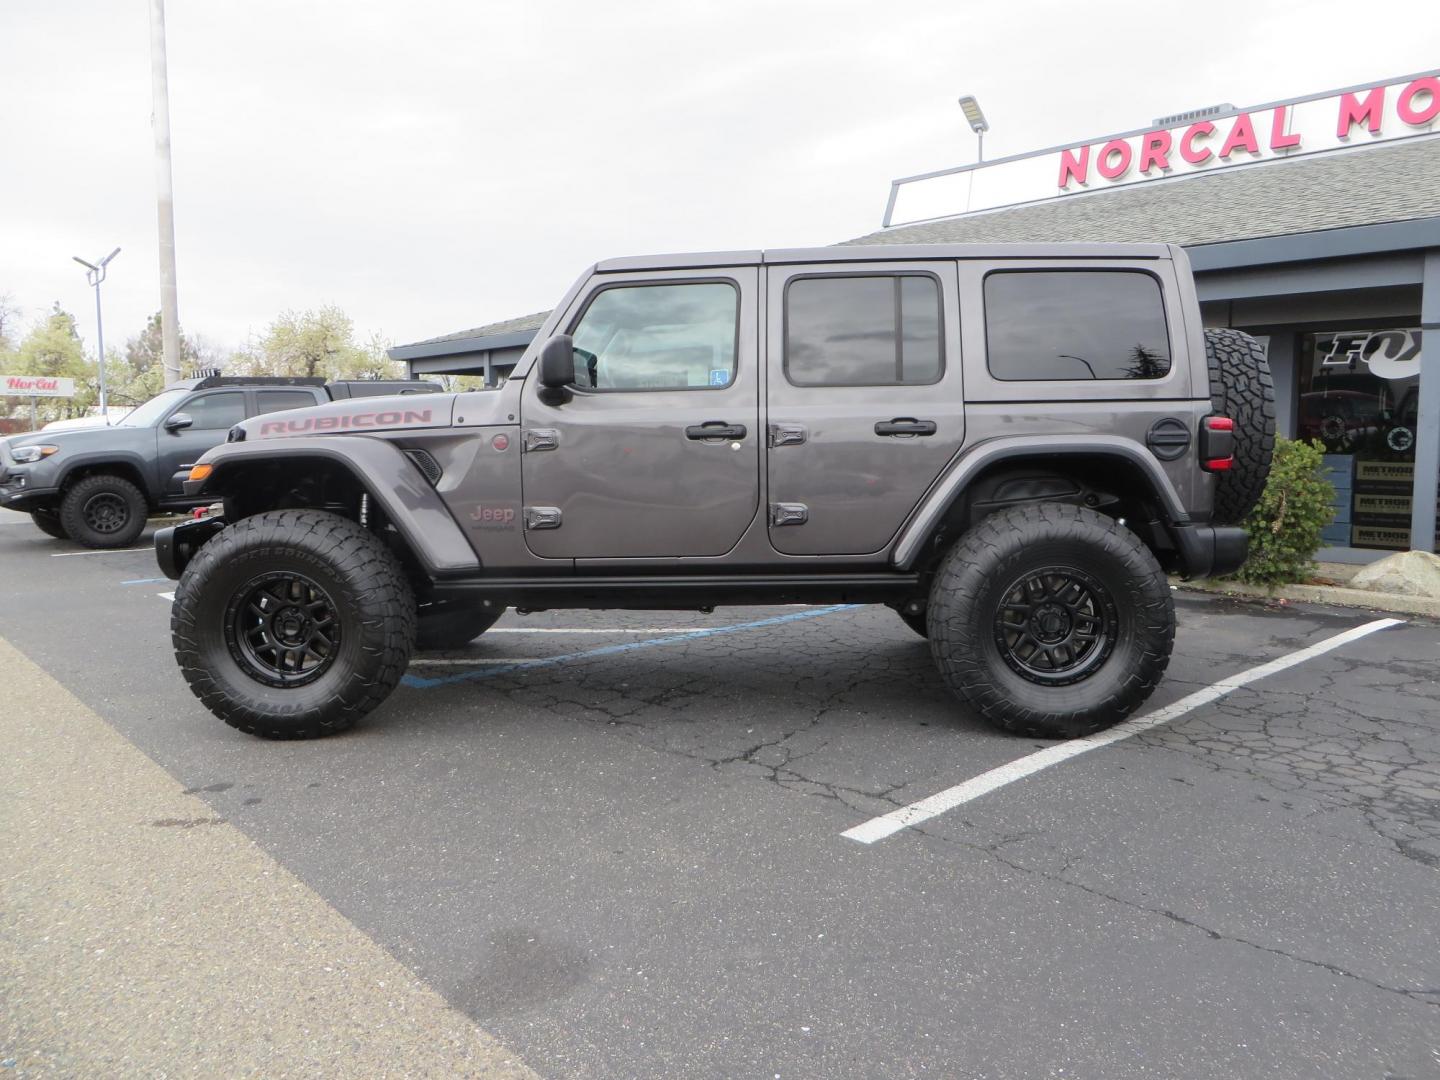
415, 508
1202, 549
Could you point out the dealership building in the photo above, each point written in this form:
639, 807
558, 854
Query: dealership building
1312, 223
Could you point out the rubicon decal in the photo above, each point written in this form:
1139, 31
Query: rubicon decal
346, 422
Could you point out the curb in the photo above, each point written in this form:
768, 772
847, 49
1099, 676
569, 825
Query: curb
1320, 594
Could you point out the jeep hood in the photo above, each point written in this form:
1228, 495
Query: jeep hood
353, 416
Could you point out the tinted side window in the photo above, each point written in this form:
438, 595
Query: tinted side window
280, 400
1075, 324
211, 411
658, 337
878, 330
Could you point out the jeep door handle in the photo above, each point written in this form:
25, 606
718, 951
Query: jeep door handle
715, 429
905, 425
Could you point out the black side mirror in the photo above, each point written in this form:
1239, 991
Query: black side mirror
178, 422
557, 362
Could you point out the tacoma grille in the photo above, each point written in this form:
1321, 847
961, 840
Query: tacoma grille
426, 463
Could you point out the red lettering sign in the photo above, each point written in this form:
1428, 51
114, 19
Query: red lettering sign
1280, 139
1352, 111
1187, 143
1155, 152
1114, 160
1241, 137
1072, 166
1406, 107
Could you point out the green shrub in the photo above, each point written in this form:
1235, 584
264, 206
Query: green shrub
1286, 523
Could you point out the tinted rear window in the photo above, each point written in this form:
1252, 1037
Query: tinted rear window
1075, 324
862, 330
280, 400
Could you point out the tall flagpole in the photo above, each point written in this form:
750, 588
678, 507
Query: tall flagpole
164, 193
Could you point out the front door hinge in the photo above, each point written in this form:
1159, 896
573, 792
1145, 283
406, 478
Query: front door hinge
786, 434
789, 513
541, 439
542, 517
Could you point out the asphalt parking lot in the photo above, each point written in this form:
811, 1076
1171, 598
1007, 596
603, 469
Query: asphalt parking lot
616, 841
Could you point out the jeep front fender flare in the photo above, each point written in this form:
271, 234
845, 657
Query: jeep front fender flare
956, 478
383, 471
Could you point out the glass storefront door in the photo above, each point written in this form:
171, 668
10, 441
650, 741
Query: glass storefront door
1359, 394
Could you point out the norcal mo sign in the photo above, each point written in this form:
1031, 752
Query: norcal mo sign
1378, 112
35, 386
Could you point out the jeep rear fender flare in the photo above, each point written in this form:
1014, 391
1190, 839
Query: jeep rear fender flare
956, 479
379, 467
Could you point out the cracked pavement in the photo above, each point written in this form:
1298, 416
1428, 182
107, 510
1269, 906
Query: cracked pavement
630, 864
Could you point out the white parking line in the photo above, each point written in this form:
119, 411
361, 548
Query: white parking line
99, 551
166, 596
888, 824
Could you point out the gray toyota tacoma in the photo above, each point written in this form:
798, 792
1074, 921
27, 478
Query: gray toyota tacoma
97, 485
1008, 445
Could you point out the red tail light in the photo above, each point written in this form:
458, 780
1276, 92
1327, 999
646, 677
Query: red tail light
1217, 444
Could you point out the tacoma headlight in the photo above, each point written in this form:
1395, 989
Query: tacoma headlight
23, 455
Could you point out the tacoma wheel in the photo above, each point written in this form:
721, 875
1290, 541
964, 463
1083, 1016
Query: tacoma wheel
452, 624
103, 511
1242, 389
48, 522
1051, 620
293, 624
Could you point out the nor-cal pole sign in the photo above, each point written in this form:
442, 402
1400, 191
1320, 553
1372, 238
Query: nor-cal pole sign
35, 386
1203, 141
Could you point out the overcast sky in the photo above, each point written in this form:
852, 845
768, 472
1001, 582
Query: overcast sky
432, 165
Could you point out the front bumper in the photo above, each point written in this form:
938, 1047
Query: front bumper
177, 545
17, 492
1211, 550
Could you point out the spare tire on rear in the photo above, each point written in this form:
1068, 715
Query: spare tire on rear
1242, 389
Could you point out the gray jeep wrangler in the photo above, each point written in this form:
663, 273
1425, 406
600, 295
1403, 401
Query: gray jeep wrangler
1009, 445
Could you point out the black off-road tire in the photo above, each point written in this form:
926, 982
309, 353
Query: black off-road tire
978, 578
368, 597
1241, 388
48, 522
103, 511
453, 624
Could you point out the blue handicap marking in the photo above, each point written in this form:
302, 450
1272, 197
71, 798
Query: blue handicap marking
719, 376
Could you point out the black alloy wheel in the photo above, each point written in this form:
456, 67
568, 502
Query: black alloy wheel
105, 512
282, 629
1055, 626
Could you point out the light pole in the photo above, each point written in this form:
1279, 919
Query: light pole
95, 275
164, 193
971, 108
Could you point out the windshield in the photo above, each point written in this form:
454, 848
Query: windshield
152, 410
